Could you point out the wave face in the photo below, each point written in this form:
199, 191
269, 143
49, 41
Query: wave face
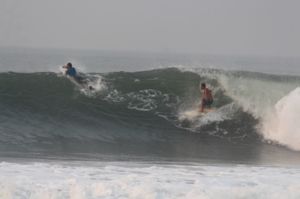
140, 113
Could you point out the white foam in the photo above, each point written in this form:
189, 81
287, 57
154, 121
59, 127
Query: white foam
282, 124
133, 180
96, 81
115, 96
144, 100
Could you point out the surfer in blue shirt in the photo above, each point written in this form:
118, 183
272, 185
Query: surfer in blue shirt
71, 71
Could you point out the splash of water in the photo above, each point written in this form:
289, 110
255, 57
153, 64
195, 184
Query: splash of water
282, 124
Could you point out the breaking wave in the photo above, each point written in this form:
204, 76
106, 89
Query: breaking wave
48, 112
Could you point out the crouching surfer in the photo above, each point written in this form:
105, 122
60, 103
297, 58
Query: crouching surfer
71, 72
206, 98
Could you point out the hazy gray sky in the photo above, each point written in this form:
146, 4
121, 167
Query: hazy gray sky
261, 27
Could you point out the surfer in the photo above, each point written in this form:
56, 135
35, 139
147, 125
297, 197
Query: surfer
71, 71
207, 98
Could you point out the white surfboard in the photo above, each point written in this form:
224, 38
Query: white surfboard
193, 114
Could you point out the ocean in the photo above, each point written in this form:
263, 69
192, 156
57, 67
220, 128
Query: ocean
128, 137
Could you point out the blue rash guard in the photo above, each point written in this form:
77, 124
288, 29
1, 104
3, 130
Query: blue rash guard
71, 72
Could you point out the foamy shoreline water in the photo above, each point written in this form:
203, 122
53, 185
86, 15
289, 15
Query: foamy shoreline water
144, 180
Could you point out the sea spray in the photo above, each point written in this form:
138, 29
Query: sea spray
282, 124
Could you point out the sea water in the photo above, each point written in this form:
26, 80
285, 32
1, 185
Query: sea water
127, 138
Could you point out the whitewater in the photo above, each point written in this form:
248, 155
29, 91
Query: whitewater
127, 138
146, 180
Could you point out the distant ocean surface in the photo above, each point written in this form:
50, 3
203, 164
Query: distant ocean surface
129, 138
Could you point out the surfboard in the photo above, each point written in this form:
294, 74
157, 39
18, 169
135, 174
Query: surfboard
77, 83
80, 82
193, 114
